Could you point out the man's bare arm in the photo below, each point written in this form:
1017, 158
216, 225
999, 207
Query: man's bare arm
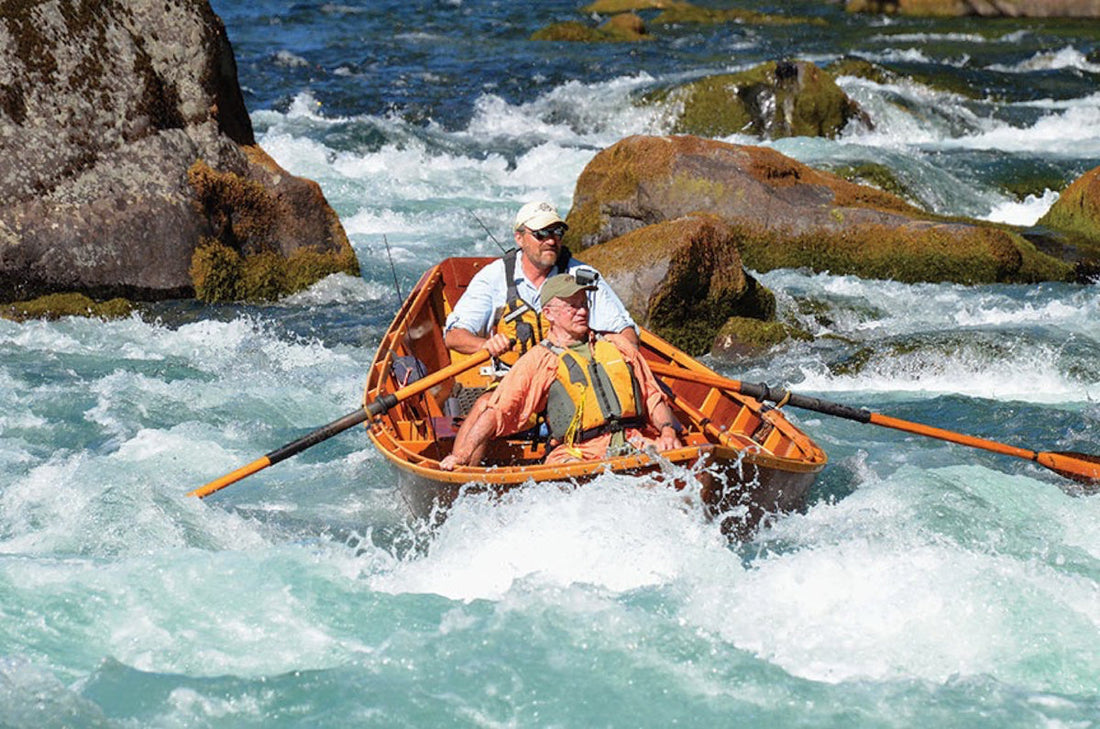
466, 342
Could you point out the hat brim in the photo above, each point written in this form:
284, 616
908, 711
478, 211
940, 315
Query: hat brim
541, 220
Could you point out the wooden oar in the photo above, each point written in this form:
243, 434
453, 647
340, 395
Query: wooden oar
1080, 467
379, 406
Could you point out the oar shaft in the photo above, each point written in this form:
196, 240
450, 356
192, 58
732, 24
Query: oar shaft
378, 406
961, 439
280, 454
230, 478
1078, 466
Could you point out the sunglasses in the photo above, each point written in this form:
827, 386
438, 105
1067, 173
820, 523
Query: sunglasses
553, 231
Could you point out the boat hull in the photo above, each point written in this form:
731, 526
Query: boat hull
740, 494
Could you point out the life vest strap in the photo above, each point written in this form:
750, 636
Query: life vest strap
611, 426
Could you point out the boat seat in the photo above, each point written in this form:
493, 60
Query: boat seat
461, 400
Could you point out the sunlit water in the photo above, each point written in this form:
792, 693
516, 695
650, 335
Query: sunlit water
925, 585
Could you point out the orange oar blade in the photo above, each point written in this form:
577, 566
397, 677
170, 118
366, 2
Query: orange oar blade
1080, 467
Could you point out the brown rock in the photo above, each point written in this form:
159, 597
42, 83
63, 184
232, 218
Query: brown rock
682, 279
787, 215
1076, 217
984, 8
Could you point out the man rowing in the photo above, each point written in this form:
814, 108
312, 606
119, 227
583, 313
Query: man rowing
598, 393
501, 302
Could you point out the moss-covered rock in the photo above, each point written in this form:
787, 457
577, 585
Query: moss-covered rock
926, 8
876, 175
253, 253
682, 279
785, 214
240, 211
221, 274
610, 7
1076, 215
55, 306
959, 8
570, 30
746, 337
624, 27
861, 68
951, 83
690, 14
772, 100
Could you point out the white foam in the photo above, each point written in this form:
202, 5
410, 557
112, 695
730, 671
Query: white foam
883, 590
1067, 57
1031, 369
1074, 132
1026, 212
613, 534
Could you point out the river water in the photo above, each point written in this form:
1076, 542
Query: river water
926, 584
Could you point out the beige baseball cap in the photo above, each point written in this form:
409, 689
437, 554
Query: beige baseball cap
561, 286
537, 215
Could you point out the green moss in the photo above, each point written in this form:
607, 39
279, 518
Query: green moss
1035, 184
746, 335
860, 68
263, 277
570, 30
616, 30
220, 274
306, 266
216, 271
877, 175
625, 27
55, 306
241, 212
710, 107
689, 14
609, 7
771, 100
946, 253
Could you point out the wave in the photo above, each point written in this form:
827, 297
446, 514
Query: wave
1064, 58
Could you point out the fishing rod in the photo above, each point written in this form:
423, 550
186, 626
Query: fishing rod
393, 269
1081, 467
486, 229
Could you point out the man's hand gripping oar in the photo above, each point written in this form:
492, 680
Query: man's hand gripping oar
379, 406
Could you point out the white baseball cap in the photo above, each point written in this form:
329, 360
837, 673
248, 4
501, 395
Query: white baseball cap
537, 215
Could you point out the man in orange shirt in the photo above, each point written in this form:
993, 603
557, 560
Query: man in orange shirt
599, 395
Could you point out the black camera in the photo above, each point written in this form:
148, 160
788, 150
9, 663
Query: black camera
586, 276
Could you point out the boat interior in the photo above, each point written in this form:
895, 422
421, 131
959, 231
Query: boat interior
423, 427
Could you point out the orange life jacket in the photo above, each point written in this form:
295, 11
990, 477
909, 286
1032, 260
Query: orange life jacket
595, 393
518, 319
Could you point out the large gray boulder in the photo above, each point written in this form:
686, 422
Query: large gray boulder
114, 118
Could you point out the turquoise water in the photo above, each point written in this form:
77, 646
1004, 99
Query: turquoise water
925, 584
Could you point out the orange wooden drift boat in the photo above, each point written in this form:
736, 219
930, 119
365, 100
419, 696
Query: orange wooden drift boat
750, 461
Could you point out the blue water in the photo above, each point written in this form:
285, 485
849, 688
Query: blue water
925, 585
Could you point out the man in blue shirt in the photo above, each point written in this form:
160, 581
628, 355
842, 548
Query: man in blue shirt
508, 289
